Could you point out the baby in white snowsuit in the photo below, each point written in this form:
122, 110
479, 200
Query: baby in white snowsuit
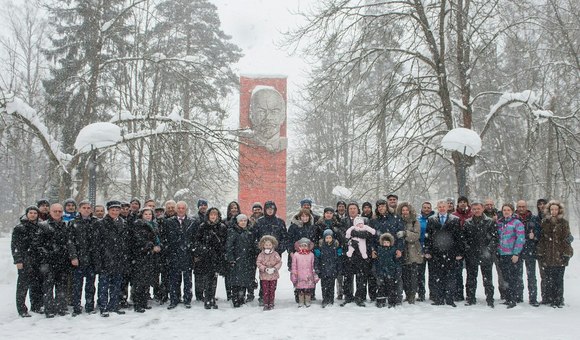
359, 225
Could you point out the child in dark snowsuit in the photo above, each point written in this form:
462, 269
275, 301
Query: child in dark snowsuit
386, 271
328, 265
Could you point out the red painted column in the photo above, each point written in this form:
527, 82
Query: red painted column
261, 173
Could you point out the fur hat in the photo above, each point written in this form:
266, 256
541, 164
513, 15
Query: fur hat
386, 237
358, 220
302, 241
547, 213
267, 238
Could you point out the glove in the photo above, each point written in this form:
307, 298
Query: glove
270, 270
317, 252
401, 233
339, 252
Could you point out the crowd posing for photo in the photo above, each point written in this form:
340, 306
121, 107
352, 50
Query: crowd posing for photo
61, 250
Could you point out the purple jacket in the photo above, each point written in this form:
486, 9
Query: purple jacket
512, 236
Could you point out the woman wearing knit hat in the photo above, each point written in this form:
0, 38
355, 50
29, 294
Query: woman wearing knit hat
241, 256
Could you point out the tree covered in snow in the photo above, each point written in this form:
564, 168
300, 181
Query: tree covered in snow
157, 70
413, 70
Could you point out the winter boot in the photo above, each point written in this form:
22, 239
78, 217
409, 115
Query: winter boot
307, 299
300, 299
411, 299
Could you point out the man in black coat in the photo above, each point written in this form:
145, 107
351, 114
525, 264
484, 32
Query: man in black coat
56, 263
161, 285
481, 239
179, 231
444, 247
81, 247
355, 265
111, 258
24, 238
200, 217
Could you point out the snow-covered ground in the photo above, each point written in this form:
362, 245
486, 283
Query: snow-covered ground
286, 321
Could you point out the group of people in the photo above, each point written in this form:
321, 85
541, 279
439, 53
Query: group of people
59, 249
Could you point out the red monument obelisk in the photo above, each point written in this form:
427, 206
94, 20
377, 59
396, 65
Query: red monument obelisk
262, 156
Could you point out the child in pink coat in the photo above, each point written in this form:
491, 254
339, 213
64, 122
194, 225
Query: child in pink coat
359, 225
303, 276
269, 264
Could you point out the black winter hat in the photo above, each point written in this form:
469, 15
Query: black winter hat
201, 202
269, 204
463, 199
32, 207
327, 209
257, 205
367, 204
134, 200
339, 203
42, 201
113, 204
380, 202
68, 201
542, 200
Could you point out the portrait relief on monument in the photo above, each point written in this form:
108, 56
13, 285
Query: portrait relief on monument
267, 114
